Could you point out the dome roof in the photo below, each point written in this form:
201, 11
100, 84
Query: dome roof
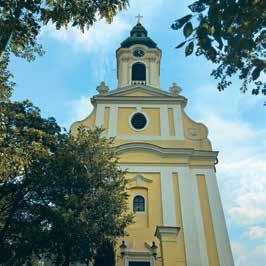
138, 35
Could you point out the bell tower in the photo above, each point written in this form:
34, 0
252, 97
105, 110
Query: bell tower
138, 60
170, 164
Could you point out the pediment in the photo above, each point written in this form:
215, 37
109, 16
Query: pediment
139, 94
139, 91
139, 180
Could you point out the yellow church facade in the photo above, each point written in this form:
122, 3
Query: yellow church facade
172, 186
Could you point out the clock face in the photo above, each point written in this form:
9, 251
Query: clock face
138, 53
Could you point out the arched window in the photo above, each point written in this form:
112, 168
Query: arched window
138, 72
139, 204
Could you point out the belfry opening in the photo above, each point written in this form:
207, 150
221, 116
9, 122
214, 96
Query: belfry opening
138, 72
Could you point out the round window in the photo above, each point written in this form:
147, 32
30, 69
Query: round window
138, 121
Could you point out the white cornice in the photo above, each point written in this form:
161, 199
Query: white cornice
190, 153
156, 96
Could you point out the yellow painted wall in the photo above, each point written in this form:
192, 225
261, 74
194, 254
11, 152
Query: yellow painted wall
207, 221
145, 223
137, 93
87, 122
124, 128
198, 141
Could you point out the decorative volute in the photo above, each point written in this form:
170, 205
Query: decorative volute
138, 60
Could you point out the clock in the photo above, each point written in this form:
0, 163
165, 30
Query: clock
138, 53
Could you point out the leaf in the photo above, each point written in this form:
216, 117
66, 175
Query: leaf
180, 22
255, 92
256, 73
189, 49
212, 53
180, 45
188, 29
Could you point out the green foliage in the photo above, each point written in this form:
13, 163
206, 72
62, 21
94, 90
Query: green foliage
6, 83
230, 34
60, 197
105, 255
21, 21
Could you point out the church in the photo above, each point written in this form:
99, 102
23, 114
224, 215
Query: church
172, 186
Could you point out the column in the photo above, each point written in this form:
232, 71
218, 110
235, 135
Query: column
164, 121
168, 199
99, 115
220, 231
168, 244
179, 128
113, 121
195, 246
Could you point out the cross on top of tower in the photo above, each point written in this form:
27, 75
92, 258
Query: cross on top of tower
139, 17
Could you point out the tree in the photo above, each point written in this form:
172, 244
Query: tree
61, 197
22, 20
6, 83
105, 255
231, 34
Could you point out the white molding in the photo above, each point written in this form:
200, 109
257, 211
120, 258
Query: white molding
154, 169
132, 258
164, 123
99, 115
168, 199
113, 120
141, 105
187, 202
199, 219
144, 137
138, 108
139, 179
191, 153
178, 122
218, 219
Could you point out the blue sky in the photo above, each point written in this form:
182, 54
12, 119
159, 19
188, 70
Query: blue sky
63, 80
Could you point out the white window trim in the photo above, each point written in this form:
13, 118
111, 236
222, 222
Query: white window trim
130, 124
145, 204
132, 259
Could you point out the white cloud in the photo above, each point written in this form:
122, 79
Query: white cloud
100, 37
242, 159
241, 169
249, 256
78, 110
257, 232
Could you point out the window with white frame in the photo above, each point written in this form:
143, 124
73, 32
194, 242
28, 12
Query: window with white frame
139, 204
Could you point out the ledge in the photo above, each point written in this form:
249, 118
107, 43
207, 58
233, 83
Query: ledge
191, 153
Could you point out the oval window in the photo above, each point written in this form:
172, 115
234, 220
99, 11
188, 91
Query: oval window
138, 121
